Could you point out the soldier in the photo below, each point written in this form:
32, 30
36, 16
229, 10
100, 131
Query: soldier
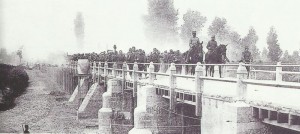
196, 48
121, 59
247, 59
212, 45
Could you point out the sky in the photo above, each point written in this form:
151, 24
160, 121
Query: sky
46, 26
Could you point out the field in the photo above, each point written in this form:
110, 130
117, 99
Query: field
43, 107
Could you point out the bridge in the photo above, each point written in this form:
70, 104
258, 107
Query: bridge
173, 101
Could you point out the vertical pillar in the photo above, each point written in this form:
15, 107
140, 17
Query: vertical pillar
105, 73
172, 87
278, 72
99, 72
151, 75
124, 68
114, 71
199, 89
183, 70
135, 78
292, 119
241, 87
94, 72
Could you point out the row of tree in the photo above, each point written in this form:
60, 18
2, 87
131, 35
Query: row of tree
161, 28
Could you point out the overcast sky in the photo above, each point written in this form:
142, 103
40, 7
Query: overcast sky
45, 26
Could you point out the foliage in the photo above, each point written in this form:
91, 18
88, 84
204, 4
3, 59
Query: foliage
14, 81
193, 21
250, 40
275, 51
161, 21
219, 28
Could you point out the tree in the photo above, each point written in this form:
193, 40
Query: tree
79, 29
219, 28
250, 41
264, 55
286, 57
161, 21
193, 21
234, 49
275, 51
295, 57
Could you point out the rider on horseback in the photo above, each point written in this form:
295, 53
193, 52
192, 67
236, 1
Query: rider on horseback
211, 45
195, 46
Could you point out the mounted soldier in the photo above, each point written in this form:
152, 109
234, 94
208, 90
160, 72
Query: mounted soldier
247, 59
211, 45
195, 53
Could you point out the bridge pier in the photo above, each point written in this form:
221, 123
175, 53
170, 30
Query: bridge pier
113, 115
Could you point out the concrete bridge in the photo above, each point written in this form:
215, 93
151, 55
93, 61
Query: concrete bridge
171, 101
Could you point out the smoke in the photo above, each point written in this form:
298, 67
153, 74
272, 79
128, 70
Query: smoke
79, 29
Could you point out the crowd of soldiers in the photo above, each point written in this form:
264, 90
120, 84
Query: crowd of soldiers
133, 55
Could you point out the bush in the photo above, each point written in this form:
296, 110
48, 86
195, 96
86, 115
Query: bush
18, 80
13, 82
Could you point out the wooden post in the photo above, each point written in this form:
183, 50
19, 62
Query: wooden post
114, 71
94, 72
99, 72
172, 87
124, 68
278, 72
105, 73
241, 87
135, 78
151, 75
199, 89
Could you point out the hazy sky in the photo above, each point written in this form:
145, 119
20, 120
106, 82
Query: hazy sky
45, 26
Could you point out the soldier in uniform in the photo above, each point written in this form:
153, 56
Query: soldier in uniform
247, 59
121, 59
196, 46
212, 45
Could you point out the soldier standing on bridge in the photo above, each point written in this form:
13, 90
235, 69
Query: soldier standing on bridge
247, 59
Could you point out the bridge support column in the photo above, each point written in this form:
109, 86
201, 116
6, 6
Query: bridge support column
112, 101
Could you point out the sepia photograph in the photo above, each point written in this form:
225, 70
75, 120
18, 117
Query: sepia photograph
150, 66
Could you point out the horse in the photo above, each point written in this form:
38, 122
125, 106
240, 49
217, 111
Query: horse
194, 55
217, 56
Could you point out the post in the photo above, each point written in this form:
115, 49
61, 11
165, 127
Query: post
278, 72
172, 93
135, 75
114, 71
183, 70
99, 72
105, 73
124, 68
94, 72
199, 89
241, 86
151, 75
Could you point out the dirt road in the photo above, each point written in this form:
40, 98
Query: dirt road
43, 107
